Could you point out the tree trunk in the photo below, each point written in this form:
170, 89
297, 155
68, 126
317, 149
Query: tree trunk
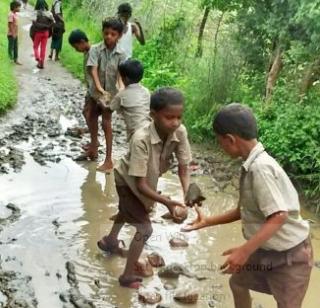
201, 30
274, 72
216, 39
311, 75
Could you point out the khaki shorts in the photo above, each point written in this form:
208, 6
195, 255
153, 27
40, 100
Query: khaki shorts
283, 274
131, 208
99, 102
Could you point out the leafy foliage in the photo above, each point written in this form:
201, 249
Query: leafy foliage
236, 58
8, 83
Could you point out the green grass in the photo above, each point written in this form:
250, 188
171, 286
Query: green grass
8, 82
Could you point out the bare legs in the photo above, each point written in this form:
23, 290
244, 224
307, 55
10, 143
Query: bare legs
107, 166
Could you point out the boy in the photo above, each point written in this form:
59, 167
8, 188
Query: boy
80, 42
13, 31
130, 29
150, 155
133, 102
277, 256
104, 59
58, 29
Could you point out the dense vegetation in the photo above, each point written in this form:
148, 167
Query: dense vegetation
8, 85
263, 53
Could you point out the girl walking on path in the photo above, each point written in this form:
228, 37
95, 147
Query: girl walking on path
58, 29
42, 31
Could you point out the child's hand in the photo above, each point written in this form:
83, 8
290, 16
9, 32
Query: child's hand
196, 224
100, 90
171, 204
238, 256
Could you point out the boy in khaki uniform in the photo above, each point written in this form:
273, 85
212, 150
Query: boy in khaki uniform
150, 155
277, 255
103, 61
133, 102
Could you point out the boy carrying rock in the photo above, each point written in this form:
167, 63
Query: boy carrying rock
150, 155
103, 61
133, 102
277, 255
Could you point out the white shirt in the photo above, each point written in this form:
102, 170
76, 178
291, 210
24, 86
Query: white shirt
126, 41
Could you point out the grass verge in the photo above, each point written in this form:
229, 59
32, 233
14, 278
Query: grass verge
8, 82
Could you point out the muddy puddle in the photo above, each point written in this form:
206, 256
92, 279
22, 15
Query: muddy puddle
53, 210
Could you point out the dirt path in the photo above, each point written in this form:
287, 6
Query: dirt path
53, 209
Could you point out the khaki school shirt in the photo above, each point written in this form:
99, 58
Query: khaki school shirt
107, 62
133, 103
149, 157
264, 190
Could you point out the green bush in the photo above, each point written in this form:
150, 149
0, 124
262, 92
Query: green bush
288, 125
8, 83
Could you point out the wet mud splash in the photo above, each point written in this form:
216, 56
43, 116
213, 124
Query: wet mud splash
53, 210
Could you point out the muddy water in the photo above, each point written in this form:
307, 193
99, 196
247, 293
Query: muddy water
65, 207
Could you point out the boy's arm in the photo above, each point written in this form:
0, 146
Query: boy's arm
238, 256
144, 188
96, 80
120, 85
11, 27
202, 221
115, 103
184, 157
184, 176
138, 32
93, 62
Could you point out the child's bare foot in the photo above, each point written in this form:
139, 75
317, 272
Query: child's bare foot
131, 281
106, 167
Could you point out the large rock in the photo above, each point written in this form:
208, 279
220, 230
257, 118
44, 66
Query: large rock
143, 267
156, 260
180, 214
174, 270
194, 195
149, 296
186, 296
178, 242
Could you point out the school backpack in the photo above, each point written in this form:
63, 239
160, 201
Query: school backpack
42, 23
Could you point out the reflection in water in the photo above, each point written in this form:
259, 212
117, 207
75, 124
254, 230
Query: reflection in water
82, 200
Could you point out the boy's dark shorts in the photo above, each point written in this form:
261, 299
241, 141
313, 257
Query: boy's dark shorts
283, 274
131, 208
92, 103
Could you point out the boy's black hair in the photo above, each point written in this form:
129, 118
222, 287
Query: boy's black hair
14, 5
165, 97
132, 70
76, 36
113, 23
236, 119
125, 8
41, 5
